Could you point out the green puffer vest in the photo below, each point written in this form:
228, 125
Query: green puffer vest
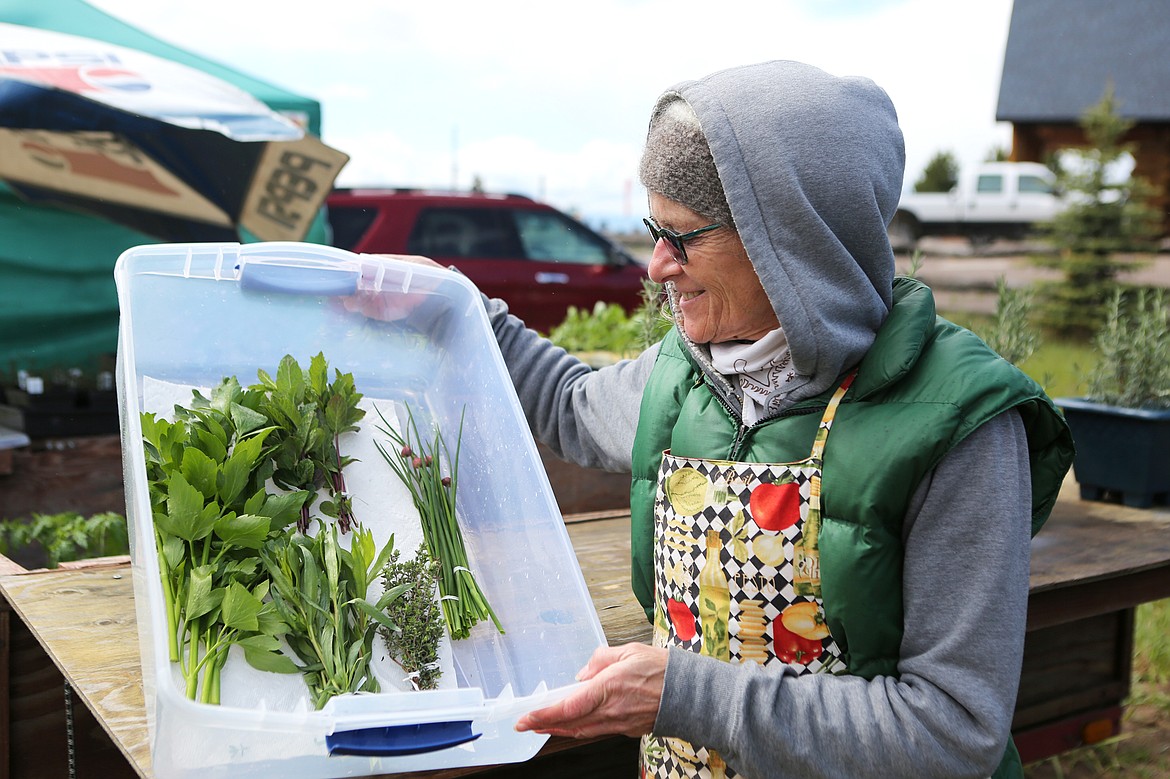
924, 385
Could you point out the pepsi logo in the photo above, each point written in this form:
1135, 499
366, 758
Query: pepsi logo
107, 79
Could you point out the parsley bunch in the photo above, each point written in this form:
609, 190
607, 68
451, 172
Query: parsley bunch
231, 572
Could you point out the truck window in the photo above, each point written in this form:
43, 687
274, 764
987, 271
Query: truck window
464, 232
1035, 184
990, 183
547, 235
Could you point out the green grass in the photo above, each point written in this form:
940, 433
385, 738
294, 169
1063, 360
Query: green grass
1152, 639
1059, 366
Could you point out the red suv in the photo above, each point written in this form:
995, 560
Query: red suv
538, 259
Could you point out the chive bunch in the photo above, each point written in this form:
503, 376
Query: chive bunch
420, 466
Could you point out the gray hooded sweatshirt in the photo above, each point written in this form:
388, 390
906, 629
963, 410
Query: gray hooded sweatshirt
812, 168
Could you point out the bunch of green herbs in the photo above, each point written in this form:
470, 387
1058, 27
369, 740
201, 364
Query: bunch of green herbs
431, 475
608, 328
207, 472
308, 414
65, 536
414, 643
1011, 335
319, 591
1133, 370
232, 573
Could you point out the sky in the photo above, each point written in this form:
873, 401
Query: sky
551, 99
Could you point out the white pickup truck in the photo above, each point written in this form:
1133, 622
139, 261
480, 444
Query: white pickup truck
997, 200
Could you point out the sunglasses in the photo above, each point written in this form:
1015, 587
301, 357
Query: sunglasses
676, 240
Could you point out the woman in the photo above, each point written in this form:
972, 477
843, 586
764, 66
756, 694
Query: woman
833, 491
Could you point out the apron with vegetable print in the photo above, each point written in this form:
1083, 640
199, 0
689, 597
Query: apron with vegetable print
737, 570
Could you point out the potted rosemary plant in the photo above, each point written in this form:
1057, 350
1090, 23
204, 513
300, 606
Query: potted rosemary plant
1122, 425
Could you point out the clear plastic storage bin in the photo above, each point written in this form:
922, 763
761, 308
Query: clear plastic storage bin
194, 314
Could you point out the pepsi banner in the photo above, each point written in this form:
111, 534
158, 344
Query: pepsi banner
152, 144
137, 82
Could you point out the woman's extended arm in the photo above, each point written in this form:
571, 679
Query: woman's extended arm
585, 416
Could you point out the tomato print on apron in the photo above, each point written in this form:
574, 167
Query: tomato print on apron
737, 575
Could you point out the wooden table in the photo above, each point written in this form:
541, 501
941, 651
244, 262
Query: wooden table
85, 619
1093, 558
1091, 566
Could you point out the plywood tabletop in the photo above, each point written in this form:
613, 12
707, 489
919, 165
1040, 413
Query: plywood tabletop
1085, 541
85, 619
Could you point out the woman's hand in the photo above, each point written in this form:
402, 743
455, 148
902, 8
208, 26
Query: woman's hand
623, 686
388, 307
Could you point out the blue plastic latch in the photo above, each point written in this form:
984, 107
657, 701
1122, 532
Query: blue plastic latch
397, 740
298, 279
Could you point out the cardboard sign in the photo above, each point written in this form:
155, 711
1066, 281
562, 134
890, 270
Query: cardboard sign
288, 188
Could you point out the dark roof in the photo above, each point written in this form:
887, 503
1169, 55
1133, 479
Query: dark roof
1062, 54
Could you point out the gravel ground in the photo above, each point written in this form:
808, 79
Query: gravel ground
964, 278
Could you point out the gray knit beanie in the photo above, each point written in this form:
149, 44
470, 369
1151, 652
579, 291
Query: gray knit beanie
677, 161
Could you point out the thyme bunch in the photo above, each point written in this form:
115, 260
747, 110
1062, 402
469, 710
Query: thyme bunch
414, 643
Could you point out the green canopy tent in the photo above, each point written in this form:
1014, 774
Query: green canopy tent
58, 303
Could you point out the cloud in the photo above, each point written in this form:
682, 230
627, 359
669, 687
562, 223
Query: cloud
385, 160
553, 98
596, 177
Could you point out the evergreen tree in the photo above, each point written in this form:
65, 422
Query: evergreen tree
1101, 220
941, 174
997, 154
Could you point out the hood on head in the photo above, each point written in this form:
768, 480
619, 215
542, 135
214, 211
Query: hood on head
811, 166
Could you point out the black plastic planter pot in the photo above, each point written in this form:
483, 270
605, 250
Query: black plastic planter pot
1121, 452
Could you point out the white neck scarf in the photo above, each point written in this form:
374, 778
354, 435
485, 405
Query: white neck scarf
764, 370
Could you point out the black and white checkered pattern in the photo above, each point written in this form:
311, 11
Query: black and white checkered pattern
680, 551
